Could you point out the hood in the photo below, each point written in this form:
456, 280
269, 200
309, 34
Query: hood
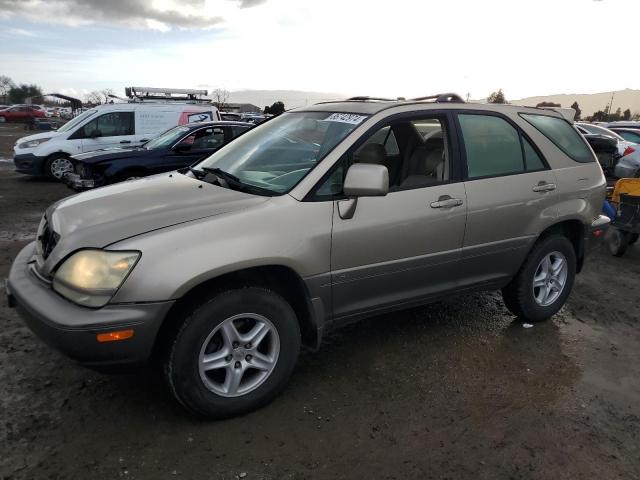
106, 154
37, 136
100, 217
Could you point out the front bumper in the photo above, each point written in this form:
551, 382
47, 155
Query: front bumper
77, 183
29, 163
72, 329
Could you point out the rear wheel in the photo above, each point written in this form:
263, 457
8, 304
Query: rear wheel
544, 281
617, 241
234, 353
3, 119
57, 165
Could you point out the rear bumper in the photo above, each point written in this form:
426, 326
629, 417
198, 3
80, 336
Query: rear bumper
29, 164
595, 231
72, 329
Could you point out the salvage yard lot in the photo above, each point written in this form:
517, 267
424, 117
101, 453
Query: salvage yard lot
458, 389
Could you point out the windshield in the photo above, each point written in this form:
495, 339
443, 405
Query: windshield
80, 118
276, 155
600, 131
167, 138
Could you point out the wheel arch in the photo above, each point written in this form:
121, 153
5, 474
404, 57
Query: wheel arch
278, 278
52, 155
575, 231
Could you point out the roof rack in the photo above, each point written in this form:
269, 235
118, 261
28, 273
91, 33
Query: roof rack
367, 99
152, 94
439, 98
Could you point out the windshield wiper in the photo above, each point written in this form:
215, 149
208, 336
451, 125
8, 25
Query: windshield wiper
218, 172
197, 173
235, 183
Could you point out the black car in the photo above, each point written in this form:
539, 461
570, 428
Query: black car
176, 148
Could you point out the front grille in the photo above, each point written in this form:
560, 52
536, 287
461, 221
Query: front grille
47, 239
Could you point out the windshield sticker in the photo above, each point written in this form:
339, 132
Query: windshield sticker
346, 118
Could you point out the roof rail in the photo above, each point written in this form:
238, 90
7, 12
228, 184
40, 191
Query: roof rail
142, 94
441, 98
365, 99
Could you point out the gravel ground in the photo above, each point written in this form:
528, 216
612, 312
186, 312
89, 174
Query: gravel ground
458, 389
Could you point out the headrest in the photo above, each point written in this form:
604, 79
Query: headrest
373, 153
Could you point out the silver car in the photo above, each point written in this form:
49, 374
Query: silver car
316, 218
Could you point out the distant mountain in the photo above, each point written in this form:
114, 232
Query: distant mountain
291, 98
590, 103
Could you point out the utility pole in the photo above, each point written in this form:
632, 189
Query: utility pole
610, 106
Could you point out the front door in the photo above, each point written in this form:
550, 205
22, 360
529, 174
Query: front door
404, 247
195, 146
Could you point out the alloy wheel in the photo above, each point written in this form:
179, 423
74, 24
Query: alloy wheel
550, 278
239, 355
60, 166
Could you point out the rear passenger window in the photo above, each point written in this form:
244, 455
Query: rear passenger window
562, 134
531, 158
492, 146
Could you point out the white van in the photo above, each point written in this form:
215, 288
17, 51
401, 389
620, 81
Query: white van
106, 126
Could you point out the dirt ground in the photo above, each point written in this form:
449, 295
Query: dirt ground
458, 389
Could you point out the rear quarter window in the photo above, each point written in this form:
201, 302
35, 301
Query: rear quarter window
562, 135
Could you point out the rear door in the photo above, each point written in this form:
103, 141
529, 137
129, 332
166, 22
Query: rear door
510, 193
109, 130
404, 247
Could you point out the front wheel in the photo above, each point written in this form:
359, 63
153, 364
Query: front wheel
234, 353
541, 287
57, 166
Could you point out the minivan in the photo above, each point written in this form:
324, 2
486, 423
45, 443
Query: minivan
103, 127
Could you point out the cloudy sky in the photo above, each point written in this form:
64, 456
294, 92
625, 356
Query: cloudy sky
367, 47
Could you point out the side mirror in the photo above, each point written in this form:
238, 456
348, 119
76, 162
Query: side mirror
366, 180
362, 180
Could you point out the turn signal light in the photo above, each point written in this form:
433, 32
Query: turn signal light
114, 336
628, 151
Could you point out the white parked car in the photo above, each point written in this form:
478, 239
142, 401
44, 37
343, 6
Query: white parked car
106, 126
629, 165
623, 145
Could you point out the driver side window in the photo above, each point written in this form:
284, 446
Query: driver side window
415, 152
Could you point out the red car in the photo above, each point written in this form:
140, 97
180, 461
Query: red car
20, 113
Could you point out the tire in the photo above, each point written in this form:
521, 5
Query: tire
532, 303
3, 120
55, 165
206, 333
617, 241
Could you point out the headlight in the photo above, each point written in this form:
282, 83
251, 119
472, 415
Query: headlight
92, 277
33, 143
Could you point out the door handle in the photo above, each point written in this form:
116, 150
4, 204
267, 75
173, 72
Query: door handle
125, 141
544, 187
144, 140
445, 201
